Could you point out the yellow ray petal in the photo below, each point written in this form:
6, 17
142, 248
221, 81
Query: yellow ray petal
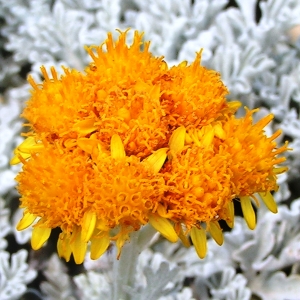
99, 245
39, 237
156, 159
183, 64
185, 241
269, 201
26, 144
216, 232
26, 221
102, 225
208, 137
117, 147
219, 132
78, 247
123, 237
30, 145
164, 227
87, 145
15, 160
248, 212
85, 127
177, 139
234, 105
63, 246
88, 225
198, 237
230, 212
162, 211
25, 149
280, 170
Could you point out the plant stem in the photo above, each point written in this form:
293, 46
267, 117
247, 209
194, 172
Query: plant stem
124, 269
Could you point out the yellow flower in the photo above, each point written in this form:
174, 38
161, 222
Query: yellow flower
192, 96
133, 142
57, 104
210, 167
89, 197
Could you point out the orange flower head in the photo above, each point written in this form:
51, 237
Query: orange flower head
192, 96
56, 104
133, 142
90, 196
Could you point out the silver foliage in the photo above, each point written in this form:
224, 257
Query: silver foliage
14, 276
260, 64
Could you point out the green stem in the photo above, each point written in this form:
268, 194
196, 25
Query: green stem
124, 269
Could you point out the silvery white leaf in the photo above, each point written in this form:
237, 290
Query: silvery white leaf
5, 226
204, 40
247, 10
93, 286
158, 282
202, 16
276, 286
58, 285
291, 124
276, 244
185, 294
14, 275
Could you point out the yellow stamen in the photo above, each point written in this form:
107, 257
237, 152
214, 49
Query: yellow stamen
157, 159
216, 232
269, 201
198, 237
26, 221
177, 139
99, 245
39, 237
63, 246
264, 121
78, 247
117, 147
248, 211
164, 227
88, 225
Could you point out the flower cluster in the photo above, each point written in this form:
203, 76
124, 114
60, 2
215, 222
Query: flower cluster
133, 141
